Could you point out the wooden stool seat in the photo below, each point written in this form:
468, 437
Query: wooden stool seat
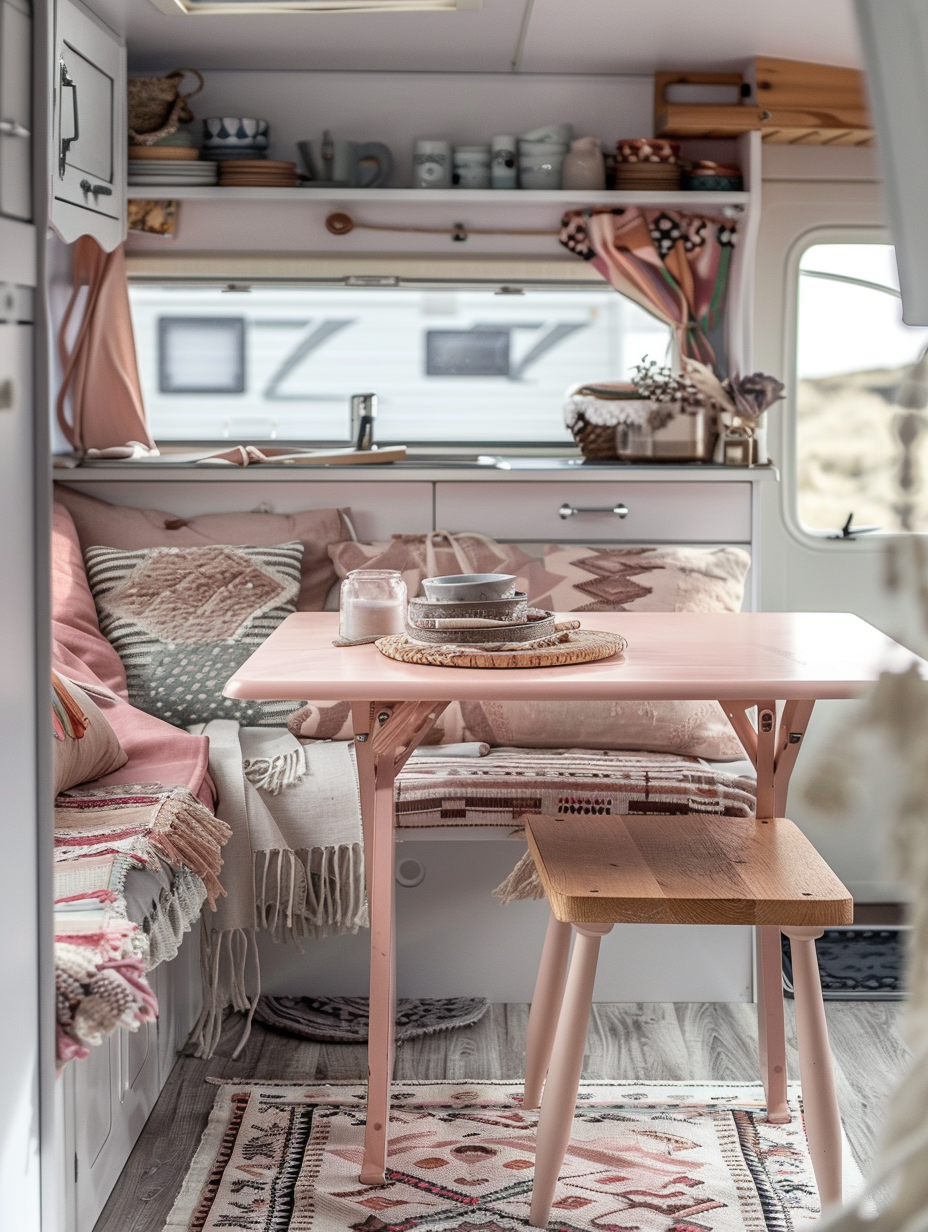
685, 870
692, 869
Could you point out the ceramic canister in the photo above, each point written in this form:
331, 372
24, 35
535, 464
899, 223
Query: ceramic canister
504, 172
584, 166
432, 164
471, 166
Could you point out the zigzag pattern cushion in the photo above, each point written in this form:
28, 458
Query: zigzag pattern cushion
183, 620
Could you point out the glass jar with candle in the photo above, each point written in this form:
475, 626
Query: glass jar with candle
372, 603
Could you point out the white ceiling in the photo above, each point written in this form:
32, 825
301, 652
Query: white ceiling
563, 36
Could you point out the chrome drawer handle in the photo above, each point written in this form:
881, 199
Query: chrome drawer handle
568, 511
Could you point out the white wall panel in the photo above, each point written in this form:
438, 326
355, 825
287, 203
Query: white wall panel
454, 939
19, 954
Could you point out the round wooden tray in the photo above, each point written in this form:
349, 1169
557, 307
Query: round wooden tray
581, 646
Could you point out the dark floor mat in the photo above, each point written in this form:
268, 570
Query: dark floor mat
343, 1020
856, 964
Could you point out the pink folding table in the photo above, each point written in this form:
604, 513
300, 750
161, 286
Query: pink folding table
741, 659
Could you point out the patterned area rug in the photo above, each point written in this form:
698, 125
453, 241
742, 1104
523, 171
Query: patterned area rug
856, 964
681, 1157
344, 1020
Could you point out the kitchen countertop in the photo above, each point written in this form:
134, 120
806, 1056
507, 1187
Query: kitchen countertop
495, 469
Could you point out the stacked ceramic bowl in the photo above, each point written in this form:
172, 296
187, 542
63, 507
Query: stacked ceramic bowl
470, 609
541, 156
235, 138
646, 164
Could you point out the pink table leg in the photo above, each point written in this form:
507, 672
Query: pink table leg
773, 748
546, 1007
385, 735
823, 1120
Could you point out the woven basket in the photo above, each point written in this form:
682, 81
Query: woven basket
157, 107
610, 424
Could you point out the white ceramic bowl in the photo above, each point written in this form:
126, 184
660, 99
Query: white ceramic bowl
473, 587
559, 133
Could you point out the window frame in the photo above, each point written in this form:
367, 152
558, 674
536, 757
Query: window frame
819, 540
486, 274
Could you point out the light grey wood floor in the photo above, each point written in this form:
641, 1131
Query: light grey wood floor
647, 1042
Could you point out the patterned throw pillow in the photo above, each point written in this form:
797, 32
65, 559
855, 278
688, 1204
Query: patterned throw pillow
184, 619
568, 577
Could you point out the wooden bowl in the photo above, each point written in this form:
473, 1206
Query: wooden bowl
177, 153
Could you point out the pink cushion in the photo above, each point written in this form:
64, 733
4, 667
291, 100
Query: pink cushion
80, 646
100, 524
157, 752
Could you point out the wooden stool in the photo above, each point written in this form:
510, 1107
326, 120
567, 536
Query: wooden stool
601, 871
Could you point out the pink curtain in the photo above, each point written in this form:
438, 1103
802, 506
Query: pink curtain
100, 373
674, 265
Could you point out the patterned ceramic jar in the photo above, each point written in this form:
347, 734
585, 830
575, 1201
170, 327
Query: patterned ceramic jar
432, 164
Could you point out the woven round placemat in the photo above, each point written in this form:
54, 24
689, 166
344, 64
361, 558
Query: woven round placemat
583, 646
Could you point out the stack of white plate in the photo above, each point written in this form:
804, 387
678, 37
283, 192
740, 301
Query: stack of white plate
165, 173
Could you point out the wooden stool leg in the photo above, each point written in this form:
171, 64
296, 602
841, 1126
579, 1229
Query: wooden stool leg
556, 1118
771, 1029
820, 1101
546, 1006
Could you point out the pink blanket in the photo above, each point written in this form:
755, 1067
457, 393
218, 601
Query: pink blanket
158, 752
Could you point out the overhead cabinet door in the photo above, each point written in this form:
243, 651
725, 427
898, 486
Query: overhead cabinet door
89, 129
15, 109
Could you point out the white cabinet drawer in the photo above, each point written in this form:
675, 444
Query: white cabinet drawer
378, 510
694, 512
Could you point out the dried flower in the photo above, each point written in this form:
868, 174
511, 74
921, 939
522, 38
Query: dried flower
659, 384
753, 394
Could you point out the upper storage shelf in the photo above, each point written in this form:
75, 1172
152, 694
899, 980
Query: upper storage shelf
449, 196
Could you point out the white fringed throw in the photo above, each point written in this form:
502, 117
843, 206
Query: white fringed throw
294, 866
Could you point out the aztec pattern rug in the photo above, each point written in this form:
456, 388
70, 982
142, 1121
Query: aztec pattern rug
680, 1157
344, 1020
856, 964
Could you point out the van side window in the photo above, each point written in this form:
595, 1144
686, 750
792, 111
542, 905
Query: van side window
861, 394
480, 364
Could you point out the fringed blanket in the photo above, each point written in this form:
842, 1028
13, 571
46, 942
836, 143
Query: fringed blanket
294, 866
147, 820
101, 956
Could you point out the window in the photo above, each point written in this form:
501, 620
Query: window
861, 409
201, 355
470, 365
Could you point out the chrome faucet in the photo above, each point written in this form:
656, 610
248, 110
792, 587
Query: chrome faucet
363, 414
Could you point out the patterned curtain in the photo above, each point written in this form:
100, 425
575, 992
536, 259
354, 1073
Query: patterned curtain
674, 265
